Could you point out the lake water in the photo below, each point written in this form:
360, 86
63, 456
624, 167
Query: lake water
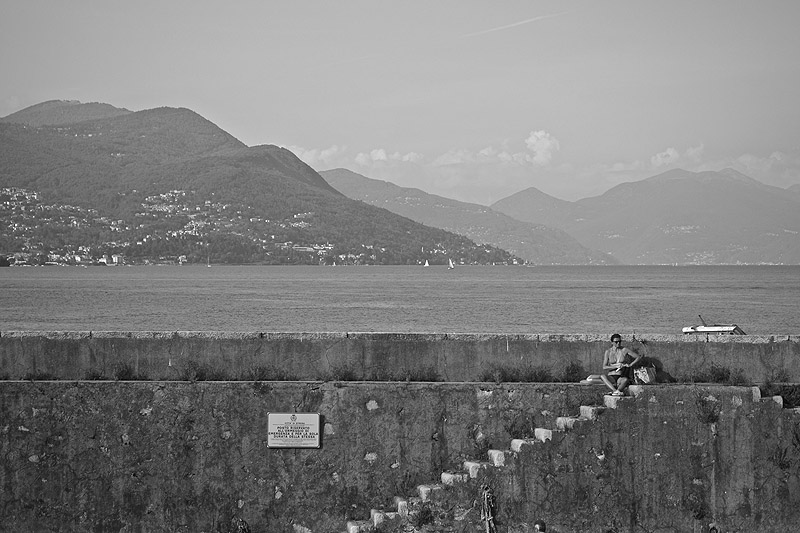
763, 300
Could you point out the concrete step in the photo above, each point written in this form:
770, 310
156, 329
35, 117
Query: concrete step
450, 478
591, 412
518, 444
565, 423
544, 434
359, 526
382, 519
497, 457
401, 504
777, 399
636, 390
474, 468
756, 393
429, 492
613, 402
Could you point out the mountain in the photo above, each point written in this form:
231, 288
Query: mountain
536, 243
532, 205
169, 175
56, 112
683, 217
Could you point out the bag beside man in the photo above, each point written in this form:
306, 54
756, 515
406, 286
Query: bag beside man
644, 375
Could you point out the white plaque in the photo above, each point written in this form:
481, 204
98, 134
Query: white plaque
293, 430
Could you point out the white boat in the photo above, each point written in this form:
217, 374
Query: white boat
426, 263
716, 329
450, 264
713, 329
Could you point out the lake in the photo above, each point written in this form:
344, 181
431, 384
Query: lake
763, 300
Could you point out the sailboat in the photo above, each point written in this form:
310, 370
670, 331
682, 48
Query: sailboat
426, 263
450, 264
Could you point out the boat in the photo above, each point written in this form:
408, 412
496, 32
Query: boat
713, 329
450, 264
716, 329
426, 263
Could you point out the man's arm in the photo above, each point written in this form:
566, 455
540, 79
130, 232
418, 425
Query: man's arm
633, 354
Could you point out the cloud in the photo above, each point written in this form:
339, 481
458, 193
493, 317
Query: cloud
340, 156
542, 144
625, 166
487, 154
671, 156
320, 157
780, 169
695, 152
495, 171
455, 157
762, 164
540, 149
482, 175
514, 24
505, 157
412, 157
667, 157
379, 156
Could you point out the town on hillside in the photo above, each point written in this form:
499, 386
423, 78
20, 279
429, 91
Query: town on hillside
175, 227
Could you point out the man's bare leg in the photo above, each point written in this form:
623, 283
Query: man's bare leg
608, 383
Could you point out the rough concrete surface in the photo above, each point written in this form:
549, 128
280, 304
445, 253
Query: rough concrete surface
189, 457
310, 356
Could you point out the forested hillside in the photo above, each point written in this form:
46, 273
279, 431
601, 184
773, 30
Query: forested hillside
171, 177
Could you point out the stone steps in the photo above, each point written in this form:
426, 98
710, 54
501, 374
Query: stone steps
473, 470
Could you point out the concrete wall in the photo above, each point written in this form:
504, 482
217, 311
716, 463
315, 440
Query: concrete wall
188, 457
682, 459
170, 355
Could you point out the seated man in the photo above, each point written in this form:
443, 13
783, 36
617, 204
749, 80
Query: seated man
618, 366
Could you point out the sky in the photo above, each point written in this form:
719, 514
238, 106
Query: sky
469, 100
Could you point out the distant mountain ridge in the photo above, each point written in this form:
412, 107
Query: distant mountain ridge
682, 217
100, 156
116, 161
57, 112
534, 206
536, 243
794, 188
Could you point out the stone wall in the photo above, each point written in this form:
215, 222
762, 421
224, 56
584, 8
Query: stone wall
188, 457
309, 356
672, 459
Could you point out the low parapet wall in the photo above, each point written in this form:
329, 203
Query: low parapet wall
189, 457
309, 356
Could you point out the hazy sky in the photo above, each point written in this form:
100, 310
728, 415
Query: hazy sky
470, 100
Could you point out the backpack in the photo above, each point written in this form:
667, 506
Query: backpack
645, 375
